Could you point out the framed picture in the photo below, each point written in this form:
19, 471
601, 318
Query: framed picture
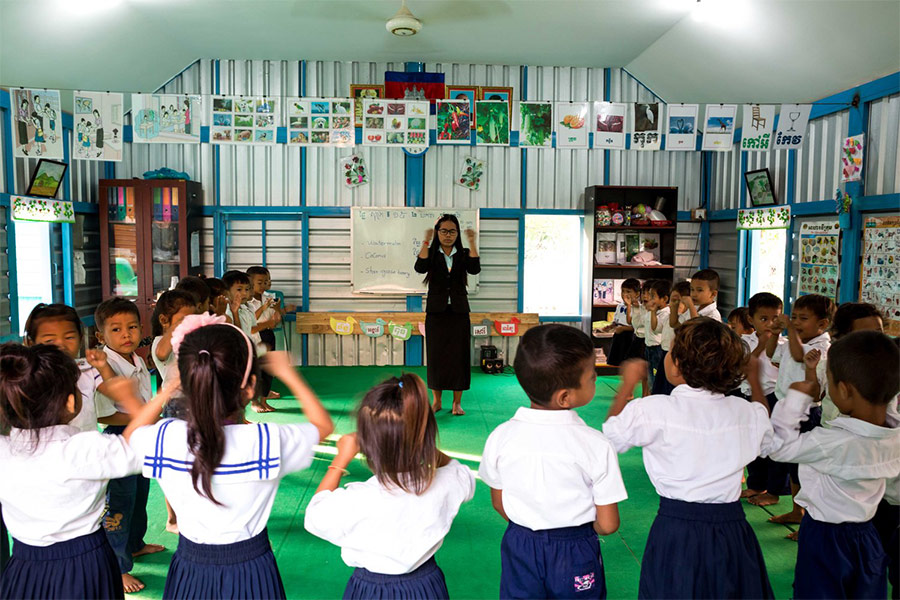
464, 92
760, 187
46, 179
497, 93
359, 92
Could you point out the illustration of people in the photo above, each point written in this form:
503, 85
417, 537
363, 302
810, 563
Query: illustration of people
187, 116
79, 129
147, 124
98, 126
164, 121
86, 139
22, 119
39, 142
51, 115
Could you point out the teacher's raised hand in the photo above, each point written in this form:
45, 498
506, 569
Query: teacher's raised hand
470, 235
429, 235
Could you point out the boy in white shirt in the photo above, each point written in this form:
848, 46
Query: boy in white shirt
657, 316
702, 301
638, 317
241, 315
623, 332
843, 468
556, 480
661, 384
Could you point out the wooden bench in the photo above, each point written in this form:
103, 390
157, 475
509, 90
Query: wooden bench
320, 322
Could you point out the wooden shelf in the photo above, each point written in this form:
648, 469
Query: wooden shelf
605, 306
635, 228
641, 267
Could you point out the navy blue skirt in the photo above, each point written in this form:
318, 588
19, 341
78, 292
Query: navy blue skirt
839, 560
243, 569
84, 567
702, 551
425, 582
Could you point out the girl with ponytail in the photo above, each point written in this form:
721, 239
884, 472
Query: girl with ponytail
220, 473
390, 526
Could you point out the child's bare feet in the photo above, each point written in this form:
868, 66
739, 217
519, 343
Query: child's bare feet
148, 549
267, 406
273, 396
258, 407
794, 535
749, 493
766, 499
793, 517
131, 583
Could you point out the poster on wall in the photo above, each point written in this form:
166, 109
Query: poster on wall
792, 121
97, 122
165, 118
395, 123
756, 130
647, 123
492, 123
718, 127
880, 272
682, 128
320, 122
45, 210
609, 125
453, 126
852, 158
244, 120
571, 120
535, 124
38, 117
819, 251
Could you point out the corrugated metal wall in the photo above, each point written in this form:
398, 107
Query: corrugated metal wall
882, 155
723, 257
819, 160
86, 241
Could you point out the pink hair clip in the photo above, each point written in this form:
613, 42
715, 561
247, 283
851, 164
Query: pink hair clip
192, 323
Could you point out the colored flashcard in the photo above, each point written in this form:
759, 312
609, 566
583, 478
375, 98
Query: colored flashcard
481, 330
492, 123
98, 125
852, 158
470, 174
320, 122
507, 328
375, 329
342, 327
609, 125
535, 124
395, 123
758, 123
165, 118
681, 132
353, 171
453, 124
39, 128
718, 127
647, 127
571, 122
244, 120
400, 332
792, 121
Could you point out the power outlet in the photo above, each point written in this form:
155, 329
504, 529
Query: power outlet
698, 214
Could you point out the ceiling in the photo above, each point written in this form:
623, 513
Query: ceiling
684, 50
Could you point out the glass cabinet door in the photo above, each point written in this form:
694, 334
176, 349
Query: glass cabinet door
166, 251
123, 245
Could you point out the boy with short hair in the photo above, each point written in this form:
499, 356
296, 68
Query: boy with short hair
268, 314
556, 480
623, 332
844, 468
704, 293
118, 324
739, 321
657, 316
241, 315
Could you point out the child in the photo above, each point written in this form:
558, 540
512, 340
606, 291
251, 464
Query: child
390, 526
661, 385
119, 328
696, 444
702, 301
268, 312
59, 325
218, 296
197, 287
764, 309
555, 479
843, 469
657, 316
739, 321
225, 494
637, 318
54, 480
807, 330
240, 314
623, 331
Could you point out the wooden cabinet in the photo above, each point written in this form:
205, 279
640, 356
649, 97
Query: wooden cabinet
149, 233
624, 248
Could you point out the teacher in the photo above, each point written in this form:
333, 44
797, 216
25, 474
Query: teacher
447, 328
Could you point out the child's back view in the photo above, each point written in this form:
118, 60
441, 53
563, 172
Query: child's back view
555, 479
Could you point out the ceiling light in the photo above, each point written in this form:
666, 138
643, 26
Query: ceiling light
404, 23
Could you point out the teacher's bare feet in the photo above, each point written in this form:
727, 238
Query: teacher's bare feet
457, 410
436, 407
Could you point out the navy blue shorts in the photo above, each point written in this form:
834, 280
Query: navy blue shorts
426, 582
551, 563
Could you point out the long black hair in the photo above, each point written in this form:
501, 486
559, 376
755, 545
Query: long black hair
434, 250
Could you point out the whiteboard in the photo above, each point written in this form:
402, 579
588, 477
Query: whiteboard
384, 244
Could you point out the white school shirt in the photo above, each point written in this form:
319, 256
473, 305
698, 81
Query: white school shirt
790, 371
668, 333
387, 530
710, 310
257, 456
57, 492
768, 373
843, 468
136, 370
162, 366
88, 381
254, 305
696, 442
247, 321
553, 469
621, 316
654, 336
639, 321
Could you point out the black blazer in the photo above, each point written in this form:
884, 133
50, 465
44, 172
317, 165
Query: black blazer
443, 284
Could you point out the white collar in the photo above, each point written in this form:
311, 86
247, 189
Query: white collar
865, 429
825, 337
547, 417
686, 391
125, 367
54, 433
445, 255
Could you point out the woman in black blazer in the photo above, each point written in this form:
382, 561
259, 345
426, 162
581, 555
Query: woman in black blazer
447, 326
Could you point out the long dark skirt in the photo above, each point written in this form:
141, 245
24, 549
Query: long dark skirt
702, 551
426, 582
23, 133
448, 348
243, 569
83, 567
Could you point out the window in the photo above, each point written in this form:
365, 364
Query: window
767, 255
34, 279
553, 255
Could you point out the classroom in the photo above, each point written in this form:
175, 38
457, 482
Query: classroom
278, 228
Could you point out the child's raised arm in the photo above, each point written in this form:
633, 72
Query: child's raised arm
633, 372
794, 343
348, 448
148, 414
278, 364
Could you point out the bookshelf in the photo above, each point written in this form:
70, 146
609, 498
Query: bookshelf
623, 247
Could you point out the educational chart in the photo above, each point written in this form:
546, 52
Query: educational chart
492, 123
718, 127
320, 122
756, 131
535, 124
682, 129
880, 272
609, 125
38, 119
819, 252
244, 120
395, 123
792, 122
852, 158
98, 126
647, 124
384, 243
453, 125
165, 118
572, 124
